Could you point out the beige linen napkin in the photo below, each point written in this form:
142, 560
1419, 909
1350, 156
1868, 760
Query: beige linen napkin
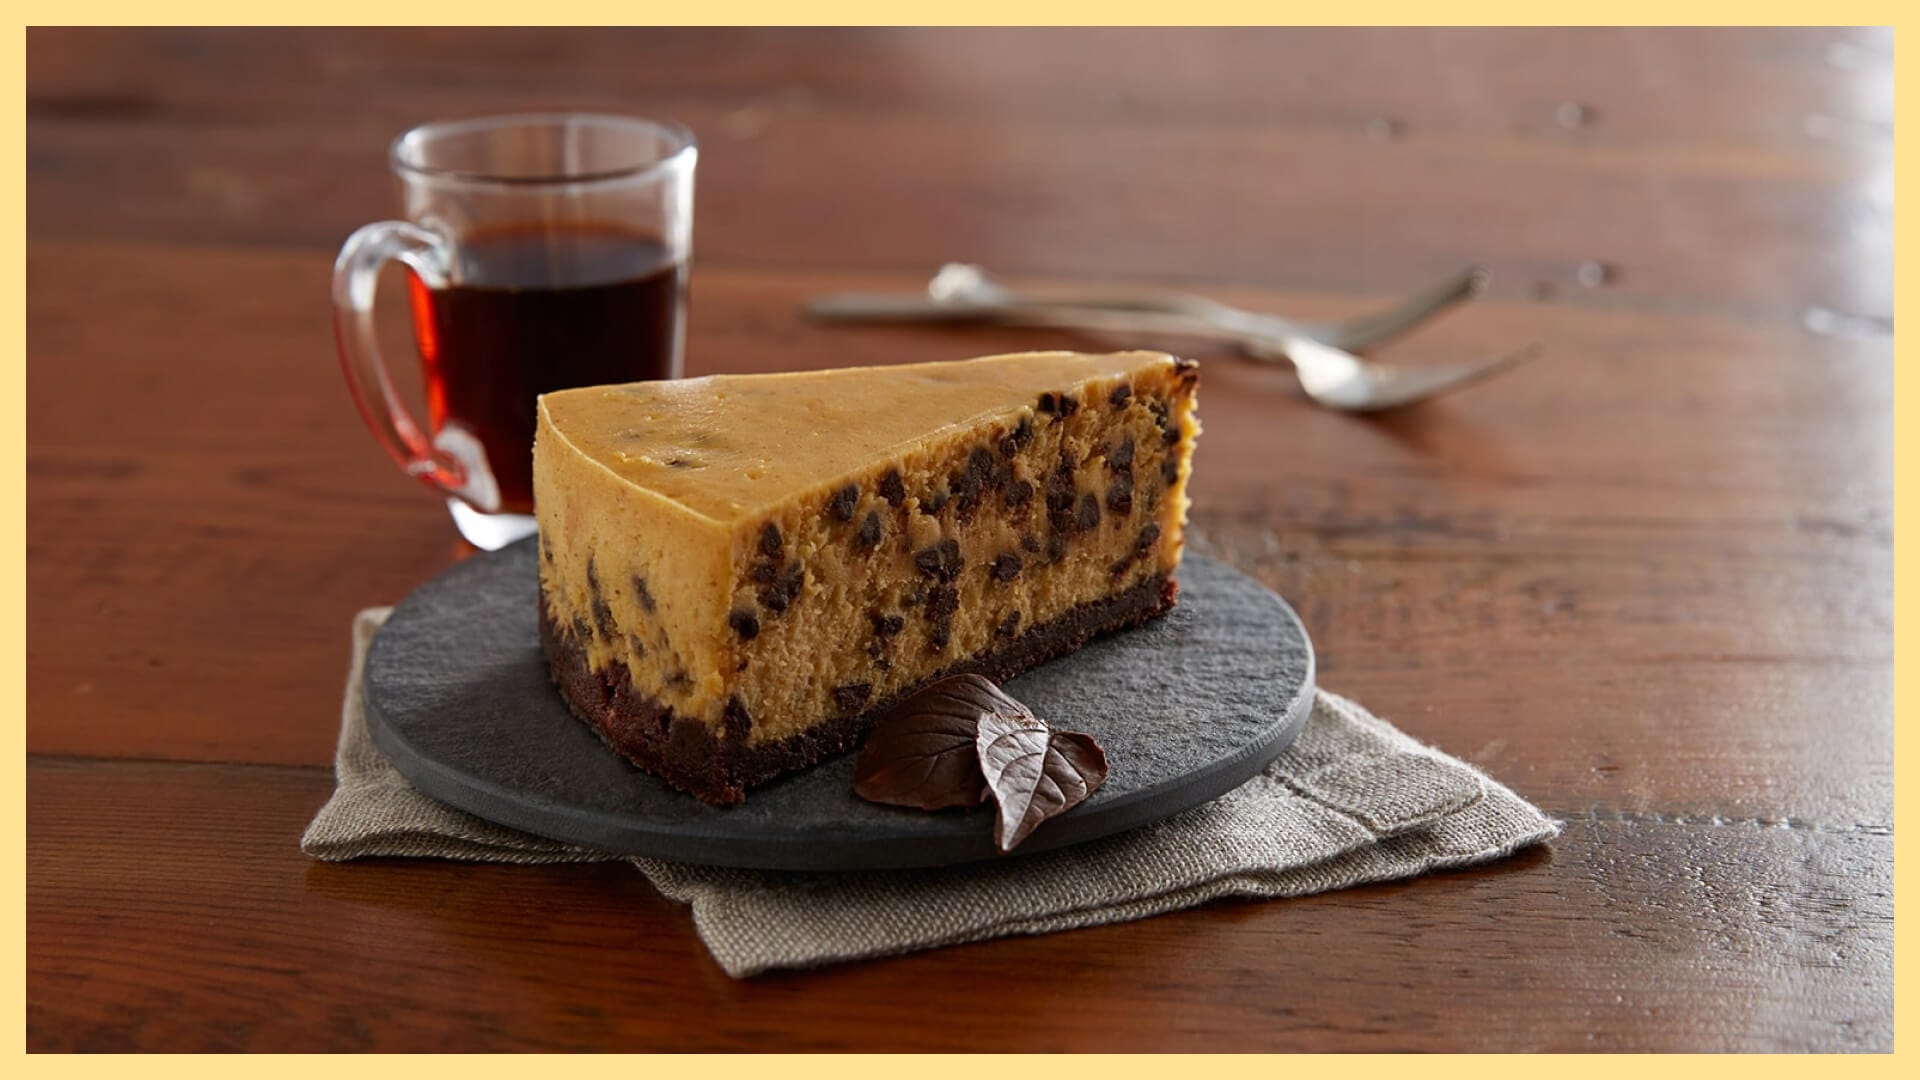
1352, 801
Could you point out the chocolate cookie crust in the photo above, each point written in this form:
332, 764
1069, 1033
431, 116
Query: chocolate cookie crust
719, 768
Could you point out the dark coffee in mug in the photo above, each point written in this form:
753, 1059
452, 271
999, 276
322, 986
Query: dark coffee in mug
544, 251
506, 333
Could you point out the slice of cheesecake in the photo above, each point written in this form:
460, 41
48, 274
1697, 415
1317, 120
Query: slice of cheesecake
740, 572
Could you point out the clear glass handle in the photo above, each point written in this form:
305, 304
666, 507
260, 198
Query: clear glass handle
451, 464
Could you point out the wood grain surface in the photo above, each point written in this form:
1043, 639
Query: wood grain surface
1646, 581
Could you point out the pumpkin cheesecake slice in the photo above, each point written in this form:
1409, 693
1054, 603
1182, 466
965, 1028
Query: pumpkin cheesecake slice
738, 573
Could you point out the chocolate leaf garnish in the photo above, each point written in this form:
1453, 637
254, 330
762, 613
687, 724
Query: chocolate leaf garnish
1035, 773
922, 752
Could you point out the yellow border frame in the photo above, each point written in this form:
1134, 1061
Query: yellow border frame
980, 12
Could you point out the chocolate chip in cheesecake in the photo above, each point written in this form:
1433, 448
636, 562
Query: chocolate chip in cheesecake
941, 560
981, 466
1029, 544
1009, 624
1018, 494
1087, 516
1120, 458
643, 594
885, 629
965, 487
986, 471
871, 528
1120, 497
893, 489
597, 600
764, 572
1048, 404
1068, 405
780, 595
770, 540
841, 504
1170, 470
982, 473
942, 602
1056, 547
1142, 543
745, 623
1018, 439
1006, 567
849, 698
1120, 396
980, 481
935, 501
1060, 497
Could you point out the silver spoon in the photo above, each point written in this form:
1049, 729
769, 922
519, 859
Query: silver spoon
1330, 375
968, 285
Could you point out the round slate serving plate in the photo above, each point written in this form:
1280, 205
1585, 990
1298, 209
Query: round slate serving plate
1188, 707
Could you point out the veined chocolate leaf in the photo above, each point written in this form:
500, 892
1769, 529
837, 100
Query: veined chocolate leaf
1035, 773
922, 752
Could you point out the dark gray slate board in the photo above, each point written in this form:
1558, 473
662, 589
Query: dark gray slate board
1188, 708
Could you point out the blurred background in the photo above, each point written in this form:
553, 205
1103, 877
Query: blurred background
1307, 159
1697, 224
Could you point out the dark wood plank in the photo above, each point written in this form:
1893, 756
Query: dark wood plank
1054, 153
170, 909
1146, 76
1456, 565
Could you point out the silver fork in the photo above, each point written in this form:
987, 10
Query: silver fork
1328, 373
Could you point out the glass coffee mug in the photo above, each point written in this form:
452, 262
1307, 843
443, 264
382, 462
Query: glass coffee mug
542, 252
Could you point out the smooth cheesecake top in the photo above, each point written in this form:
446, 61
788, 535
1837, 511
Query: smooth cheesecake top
725, 446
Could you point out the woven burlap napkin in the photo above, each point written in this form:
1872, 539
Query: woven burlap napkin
1352, 801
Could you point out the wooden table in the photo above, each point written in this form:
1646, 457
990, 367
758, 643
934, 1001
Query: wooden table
1646, 581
